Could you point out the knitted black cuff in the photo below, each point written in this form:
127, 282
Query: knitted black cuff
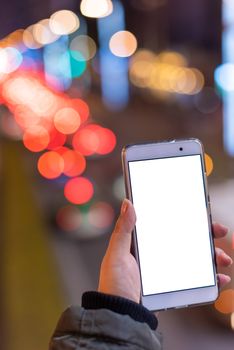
96, 300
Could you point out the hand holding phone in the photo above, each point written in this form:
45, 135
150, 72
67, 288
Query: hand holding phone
172, 241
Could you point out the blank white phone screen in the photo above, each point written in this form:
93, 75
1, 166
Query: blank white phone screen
172, 226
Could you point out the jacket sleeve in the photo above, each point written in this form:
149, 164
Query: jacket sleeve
102, 329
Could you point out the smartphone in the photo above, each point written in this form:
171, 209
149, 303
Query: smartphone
172, 241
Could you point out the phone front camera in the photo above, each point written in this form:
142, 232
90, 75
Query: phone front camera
181, 148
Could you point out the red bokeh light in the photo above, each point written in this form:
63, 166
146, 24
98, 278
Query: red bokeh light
36, 138
82, 108
107, 141
57, 139
86, 141
50, 165
78, 190
74, 163
94, 139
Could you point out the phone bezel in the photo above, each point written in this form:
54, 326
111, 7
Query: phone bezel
173, 148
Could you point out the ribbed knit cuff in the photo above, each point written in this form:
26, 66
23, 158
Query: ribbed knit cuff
96, 300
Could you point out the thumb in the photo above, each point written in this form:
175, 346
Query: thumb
122, 235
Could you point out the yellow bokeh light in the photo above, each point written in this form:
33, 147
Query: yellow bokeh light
140, 72
85, 45
173, 58
14, 39
64, 22
96, 8
42, 33
28, 38
165, 73
143, 55
200, 80
209, 164
123, 44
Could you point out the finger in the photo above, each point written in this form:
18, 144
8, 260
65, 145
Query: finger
223, 280
223, 260
219, 230
122, 234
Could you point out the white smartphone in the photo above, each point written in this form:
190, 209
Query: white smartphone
172, 241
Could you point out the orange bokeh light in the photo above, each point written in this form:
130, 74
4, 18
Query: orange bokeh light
74, 163
67, 120
78, 190
224, 303
209, 164
36, 138
50, 165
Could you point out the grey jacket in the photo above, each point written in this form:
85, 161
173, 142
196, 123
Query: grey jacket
102, 329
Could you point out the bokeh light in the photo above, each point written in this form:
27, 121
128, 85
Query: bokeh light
10, 60
107, 141
29, 40
77, 64
85, 46
64, 22
78, 190
173, 58
225, 303
209, 164
69, 218
36, 138
165, 73
74, 163
82, 107
50, 165
57, 139
101, 215
224, 77
96, 8
123, 44
25, 117
67, 120
42, 33
94, 139
14, 39
86, 141
31, 93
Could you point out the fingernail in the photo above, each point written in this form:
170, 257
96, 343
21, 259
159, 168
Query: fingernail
124, 207
230, 261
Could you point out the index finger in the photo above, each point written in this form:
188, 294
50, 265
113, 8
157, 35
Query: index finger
219, 230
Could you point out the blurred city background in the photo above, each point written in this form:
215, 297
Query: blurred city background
78, 81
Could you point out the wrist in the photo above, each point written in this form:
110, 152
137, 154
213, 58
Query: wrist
124, 306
